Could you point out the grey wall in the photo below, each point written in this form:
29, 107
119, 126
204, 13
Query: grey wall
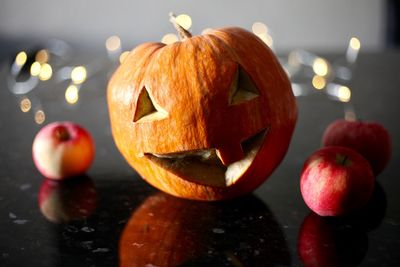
311, 24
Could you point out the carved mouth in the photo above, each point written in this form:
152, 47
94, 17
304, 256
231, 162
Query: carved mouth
205, 167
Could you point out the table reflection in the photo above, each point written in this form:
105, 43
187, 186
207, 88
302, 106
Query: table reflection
64, 201
340, 241
168, 231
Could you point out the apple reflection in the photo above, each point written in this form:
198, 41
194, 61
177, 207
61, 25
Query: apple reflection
168, 231
340, 241
67, 200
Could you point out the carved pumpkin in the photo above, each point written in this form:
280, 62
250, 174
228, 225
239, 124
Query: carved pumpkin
209, 117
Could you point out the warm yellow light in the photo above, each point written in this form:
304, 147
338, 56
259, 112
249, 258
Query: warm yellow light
184, 20
78, 74
266, 38
40, 117
259, 28
25, 105
35, 68
318, 82
320, 66
169, 38
45, 72
42, 56
21, 58
355, 43
113, 43
123, 56
72, 94
344, 93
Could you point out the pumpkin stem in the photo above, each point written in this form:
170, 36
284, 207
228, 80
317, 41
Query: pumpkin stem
183, 33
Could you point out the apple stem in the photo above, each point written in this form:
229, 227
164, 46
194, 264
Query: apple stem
183, 33
62, 133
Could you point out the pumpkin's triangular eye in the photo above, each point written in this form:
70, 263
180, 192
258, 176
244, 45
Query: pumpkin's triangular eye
146, 109
242, 88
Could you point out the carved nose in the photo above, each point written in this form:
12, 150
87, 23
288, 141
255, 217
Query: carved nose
230, 154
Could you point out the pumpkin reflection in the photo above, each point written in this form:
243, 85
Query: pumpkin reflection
168, 231
64, 201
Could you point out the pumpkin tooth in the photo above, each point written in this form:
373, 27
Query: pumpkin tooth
230, 154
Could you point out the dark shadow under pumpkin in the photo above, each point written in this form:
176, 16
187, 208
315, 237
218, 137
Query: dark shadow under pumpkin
205, 167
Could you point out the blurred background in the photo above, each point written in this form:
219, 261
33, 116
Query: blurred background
320, 26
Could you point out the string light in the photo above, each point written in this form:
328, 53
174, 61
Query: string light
355, 43
318, 82
259, 28
35, 68
123, 56
40, 117
320, 66
185, 21
344, 93
169, 38
21, 58
42, 56
72, 94
78, 74
25, 105
45, 72
113, 43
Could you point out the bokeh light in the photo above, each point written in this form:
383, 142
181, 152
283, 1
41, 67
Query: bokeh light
35, 68
259, 28
72, 94
113, 43
344, 94
123, 56
320, 66
45, 72
184, 20
318, 82
78, 74
42, 56
40, 117
21, 58
25, 104
355, 43
169, 38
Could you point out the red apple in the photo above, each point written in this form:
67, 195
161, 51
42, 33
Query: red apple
370, 139
335, 181
71, 199
62, 149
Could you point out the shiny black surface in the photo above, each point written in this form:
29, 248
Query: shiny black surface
125, 221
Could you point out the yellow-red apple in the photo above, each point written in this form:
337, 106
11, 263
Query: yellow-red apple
62, 149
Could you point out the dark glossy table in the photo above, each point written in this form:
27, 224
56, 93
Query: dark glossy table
111, 217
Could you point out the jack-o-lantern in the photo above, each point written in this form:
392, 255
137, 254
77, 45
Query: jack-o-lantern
209, 117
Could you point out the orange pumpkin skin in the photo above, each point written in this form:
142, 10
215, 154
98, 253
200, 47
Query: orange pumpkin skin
190, 84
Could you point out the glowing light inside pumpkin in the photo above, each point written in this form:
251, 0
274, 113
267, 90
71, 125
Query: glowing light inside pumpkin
184, 20
42, 56
344, 93
169, 38
113, 43
72, 94
25, 105
320, 66
318, 82
123, 56
45, 72
21, 58
40, 117
78, 74
35, 68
